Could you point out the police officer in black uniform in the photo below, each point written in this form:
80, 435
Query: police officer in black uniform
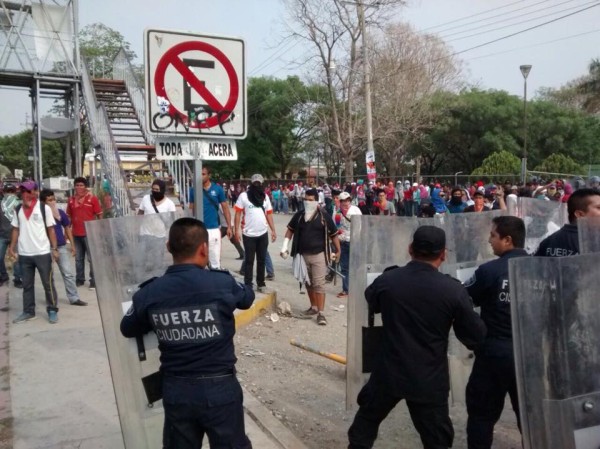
418, 306
493, 373
191, 311
565, 241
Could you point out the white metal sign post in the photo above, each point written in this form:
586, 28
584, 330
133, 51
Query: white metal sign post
195, 98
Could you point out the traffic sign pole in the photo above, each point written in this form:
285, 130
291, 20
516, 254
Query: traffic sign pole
198, 191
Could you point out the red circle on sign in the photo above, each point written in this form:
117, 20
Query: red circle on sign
171, 57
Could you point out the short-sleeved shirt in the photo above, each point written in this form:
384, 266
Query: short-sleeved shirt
154, 226
309, 237
255, 218
211, 198
64, 222
343, 222
33, 237
82, 210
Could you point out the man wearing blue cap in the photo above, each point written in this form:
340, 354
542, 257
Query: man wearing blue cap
33, 230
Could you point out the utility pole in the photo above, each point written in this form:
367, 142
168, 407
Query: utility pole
367, 75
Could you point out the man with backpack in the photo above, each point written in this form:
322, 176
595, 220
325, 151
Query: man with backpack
33, 230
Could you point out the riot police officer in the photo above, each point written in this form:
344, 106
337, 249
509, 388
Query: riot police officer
418, 306
191, 311
493, 374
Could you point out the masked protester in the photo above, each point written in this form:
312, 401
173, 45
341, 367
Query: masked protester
456, 204
258, 219
312, 230
153, 233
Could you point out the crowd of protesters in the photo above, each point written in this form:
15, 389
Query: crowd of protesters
405, 198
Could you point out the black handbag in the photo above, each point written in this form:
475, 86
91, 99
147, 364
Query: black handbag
372, 344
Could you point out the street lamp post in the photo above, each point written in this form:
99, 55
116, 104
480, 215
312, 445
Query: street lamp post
525, 69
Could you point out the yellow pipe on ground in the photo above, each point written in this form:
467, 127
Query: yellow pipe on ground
329, 355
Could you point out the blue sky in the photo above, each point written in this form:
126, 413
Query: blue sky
558, 52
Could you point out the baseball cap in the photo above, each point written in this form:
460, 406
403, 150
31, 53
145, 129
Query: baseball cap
415, 184
552, 186
407, 182
595, 179
514, 187
8, 187
398, 182
257, 178
429, 240
344, 196
28, 185
481, 189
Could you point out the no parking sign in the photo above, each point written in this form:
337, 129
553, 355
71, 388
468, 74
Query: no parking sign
195, 85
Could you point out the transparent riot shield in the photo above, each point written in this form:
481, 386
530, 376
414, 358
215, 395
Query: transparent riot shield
555, 315
589, 234
377, 243
467, 237
125, 252
541, 218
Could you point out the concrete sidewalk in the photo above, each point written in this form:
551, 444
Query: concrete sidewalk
55, 383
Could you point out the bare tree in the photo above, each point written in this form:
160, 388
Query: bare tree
408, 69
333, 31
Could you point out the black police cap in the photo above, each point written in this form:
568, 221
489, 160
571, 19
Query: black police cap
429, 239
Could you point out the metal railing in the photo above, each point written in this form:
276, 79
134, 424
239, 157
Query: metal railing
123, 70
179, 170
106, 148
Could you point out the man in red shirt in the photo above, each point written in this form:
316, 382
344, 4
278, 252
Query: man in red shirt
82, 207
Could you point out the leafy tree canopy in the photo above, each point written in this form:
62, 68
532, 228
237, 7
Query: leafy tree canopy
14, 151
559, 163
499, 163
99, 44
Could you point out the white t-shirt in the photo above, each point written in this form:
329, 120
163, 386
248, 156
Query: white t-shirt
33, 238
344, 226
154, 226
255, 219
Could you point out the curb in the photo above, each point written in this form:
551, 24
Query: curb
6, 440
269, 424
263, 302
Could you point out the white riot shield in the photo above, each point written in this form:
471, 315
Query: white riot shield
589, 234
125, 252
541, 218
555, 315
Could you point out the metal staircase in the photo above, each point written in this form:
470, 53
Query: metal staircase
115, 111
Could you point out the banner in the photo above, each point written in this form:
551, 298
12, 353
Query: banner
371, 171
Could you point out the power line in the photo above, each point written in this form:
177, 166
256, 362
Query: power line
460, 19
513, 24
539, 44
265, 63
524, 31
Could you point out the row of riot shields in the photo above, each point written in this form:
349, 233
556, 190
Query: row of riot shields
125, 252
555, 311
377, 243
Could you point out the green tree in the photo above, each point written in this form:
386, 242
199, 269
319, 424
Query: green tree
499, 163
99, 44
15, 150
559, 163
590, 86
473, 124
282, 124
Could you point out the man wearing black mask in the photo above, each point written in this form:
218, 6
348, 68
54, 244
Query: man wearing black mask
456, 203
258, 219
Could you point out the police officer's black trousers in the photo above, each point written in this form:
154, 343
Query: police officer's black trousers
198, 406
431, 419
491, 379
